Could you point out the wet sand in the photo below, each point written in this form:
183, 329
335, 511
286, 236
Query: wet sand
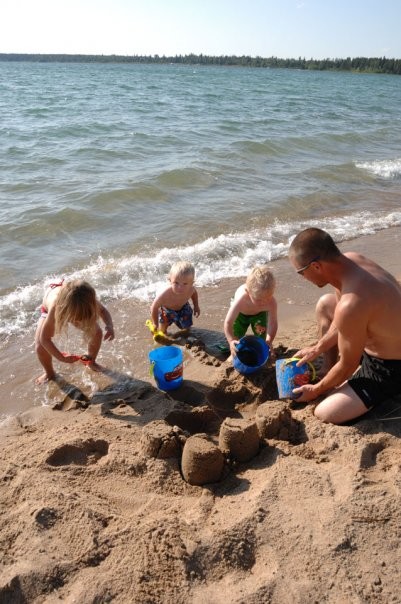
95, 506
128, 354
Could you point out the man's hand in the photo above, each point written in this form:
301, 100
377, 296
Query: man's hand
306, 354
305, 394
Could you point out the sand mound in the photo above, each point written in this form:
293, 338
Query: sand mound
100, 503
239, 438
202, 461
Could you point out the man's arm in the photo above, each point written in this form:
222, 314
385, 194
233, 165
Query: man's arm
326, 342
351, 320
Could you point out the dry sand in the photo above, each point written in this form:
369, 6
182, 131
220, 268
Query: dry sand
95, 507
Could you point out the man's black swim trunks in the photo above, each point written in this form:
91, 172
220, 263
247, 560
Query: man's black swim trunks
376, 380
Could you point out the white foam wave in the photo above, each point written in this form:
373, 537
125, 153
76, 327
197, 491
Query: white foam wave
216, 258
387, 168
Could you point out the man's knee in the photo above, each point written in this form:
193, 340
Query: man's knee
324, 414
341, 406
325, 306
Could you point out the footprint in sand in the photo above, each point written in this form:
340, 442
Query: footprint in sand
197, 348
80, 453
46, 517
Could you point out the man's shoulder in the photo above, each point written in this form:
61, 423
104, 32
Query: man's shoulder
352, 305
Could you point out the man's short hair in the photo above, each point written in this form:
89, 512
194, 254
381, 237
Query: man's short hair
313, 243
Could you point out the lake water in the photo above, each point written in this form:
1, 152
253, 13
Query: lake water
113, 172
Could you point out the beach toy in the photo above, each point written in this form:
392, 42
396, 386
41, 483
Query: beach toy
252, 353
166, 367
158, 336
84, 358
289, 376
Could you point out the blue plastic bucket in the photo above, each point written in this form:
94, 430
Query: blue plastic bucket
289, 376
252, 354
166, 367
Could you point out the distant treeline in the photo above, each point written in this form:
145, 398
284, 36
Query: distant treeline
359, 64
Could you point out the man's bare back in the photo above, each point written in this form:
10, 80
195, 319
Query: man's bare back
379, 294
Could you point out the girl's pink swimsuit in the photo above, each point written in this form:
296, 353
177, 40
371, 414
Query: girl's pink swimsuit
43, 310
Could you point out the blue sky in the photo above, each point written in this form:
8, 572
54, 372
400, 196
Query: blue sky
283, 28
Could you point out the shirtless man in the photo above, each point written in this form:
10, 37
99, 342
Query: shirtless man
360, 327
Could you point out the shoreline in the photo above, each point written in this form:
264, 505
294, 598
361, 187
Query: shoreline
97, 505
128, 354
360, 65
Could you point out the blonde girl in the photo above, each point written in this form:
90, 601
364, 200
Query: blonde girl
74, 303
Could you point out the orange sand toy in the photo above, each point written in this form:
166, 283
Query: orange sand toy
84, 358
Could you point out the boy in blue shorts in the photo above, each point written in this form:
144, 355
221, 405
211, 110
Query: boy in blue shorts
253, 305
172, 304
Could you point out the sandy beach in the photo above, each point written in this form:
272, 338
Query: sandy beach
97, 489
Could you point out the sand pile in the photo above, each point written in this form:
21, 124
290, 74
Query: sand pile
95, 507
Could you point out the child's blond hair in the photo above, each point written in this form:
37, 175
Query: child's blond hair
77, 304
260, 279
181, 268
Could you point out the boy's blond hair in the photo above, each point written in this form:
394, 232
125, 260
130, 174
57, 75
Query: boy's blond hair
179, 269
77, 304
260, 279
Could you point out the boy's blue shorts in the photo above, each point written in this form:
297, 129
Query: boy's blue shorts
182, 318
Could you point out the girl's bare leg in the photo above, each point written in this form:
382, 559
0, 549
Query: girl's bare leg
45, 358
94, 346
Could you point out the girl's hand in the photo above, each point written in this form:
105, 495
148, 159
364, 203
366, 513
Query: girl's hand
70, 358
109, 332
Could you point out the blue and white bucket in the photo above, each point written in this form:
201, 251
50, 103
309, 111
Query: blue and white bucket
289, 376
166, 366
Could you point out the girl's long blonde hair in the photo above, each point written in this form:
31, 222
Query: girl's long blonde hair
77, 304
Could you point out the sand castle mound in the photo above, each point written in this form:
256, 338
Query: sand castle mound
101, 503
